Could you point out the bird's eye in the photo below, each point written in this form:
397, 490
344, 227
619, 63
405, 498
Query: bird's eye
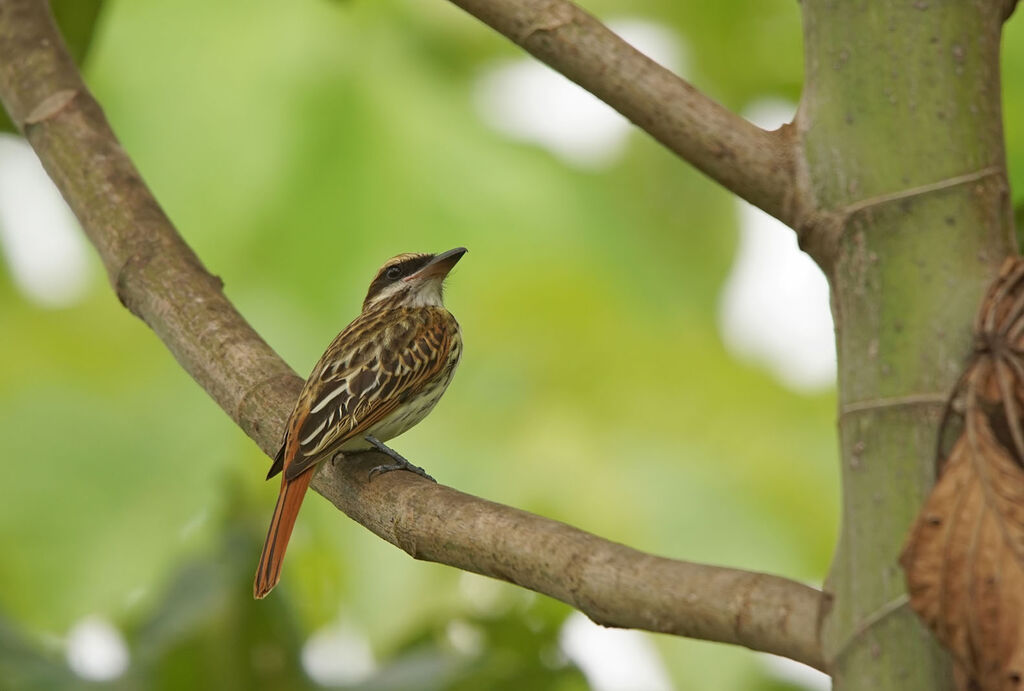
393, 274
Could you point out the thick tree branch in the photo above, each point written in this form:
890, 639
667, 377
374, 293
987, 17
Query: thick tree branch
755, 164
613, 584
160, 280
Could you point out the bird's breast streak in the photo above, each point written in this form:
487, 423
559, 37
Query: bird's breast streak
410, 413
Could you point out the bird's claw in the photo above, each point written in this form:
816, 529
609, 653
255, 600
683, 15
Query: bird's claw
381, 469
400, 462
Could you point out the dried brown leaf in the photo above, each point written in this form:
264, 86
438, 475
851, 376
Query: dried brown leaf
964, 557
965, 563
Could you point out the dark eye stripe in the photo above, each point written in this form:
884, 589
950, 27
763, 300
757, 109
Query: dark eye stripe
406, 267
411, 265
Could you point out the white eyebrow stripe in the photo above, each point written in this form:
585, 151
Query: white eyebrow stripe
312, 435
328, 398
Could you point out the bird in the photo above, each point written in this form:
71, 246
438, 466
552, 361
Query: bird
380, 376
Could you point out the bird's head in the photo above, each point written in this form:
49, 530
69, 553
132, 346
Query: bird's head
412, 280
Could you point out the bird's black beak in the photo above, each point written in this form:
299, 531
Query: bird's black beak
440, 265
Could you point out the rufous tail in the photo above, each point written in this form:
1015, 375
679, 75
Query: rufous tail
287, 510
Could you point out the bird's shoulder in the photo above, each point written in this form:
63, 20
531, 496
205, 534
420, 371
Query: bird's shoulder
375, 361
378, 340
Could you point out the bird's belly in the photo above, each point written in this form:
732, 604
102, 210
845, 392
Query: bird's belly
408, 415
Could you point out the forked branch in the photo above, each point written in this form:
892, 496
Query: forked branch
754, 164
159, 278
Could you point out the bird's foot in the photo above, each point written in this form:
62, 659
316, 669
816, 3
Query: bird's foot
400, 462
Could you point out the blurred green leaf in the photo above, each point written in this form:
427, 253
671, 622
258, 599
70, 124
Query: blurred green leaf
25, 666
77, 22
1012, 58
513, 649
207, 631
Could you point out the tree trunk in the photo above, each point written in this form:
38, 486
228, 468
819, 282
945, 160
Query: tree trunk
901, 139
895, 179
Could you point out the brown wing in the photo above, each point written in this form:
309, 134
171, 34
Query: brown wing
353, 345
381, 362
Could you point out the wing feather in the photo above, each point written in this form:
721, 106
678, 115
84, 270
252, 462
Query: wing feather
278, 464
381, 375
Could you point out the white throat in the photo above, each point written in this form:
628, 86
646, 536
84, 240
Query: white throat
424, 294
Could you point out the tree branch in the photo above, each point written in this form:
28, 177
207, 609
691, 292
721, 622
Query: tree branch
754, 164
157, 276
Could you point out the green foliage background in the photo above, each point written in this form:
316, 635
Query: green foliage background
297, 145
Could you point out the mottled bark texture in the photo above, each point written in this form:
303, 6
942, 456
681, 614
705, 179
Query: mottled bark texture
904, 191
964, 557
159, 278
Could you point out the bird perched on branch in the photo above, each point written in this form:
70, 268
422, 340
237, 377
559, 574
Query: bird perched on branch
380, 376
